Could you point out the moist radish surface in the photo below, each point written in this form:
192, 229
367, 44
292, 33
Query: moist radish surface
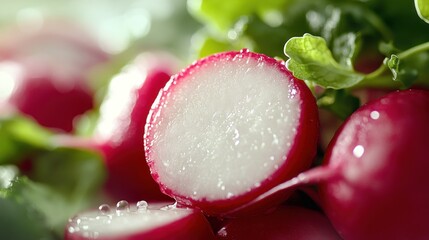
227, 125
139, 221
380, 160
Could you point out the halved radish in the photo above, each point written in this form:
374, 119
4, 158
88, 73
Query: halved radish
286, 222
228, 128
139, 221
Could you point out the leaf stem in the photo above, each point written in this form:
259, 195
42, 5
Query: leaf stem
403, 55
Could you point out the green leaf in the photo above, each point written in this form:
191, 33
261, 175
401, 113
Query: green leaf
405, 73
51, 209
75, 173
310, 59
20, 136
345, 48
20, 221
222, 14
393, 65
422, 7
340, 102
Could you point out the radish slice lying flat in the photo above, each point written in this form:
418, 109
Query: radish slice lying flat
139, 222
228, 128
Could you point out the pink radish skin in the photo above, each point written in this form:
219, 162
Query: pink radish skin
119, 133
155, 223
292, 157
286, 222
379, 191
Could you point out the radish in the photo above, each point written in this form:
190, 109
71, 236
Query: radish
45, 73
228, 128
373, 180
53, 101
139, 221
381, 161
120, 129
286, 222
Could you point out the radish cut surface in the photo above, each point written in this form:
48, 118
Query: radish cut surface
139, 221
225, 126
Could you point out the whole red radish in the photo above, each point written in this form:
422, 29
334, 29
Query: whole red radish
379, 160
285, 222
119, 132
228, 128
140, 221
53, 101
52, 83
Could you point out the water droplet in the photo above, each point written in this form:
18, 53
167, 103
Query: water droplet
168, 207
104, 209
374, 115
122, 206
358, 151
141, 206
244, 50
229, 195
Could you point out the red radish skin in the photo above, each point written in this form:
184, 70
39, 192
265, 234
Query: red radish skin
208, 98
154, 223
381, 157
51, 101
52, 85
285, 222
119, 133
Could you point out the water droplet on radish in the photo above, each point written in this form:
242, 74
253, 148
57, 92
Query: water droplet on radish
104, 209
141, 206
374, 115
358, 151
122, 207
244, 50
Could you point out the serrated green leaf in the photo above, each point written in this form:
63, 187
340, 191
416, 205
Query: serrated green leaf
310, 59
422, 7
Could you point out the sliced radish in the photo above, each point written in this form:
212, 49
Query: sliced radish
286, 222
228, 128
139, 221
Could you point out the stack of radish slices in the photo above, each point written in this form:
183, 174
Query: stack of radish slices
221, 132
